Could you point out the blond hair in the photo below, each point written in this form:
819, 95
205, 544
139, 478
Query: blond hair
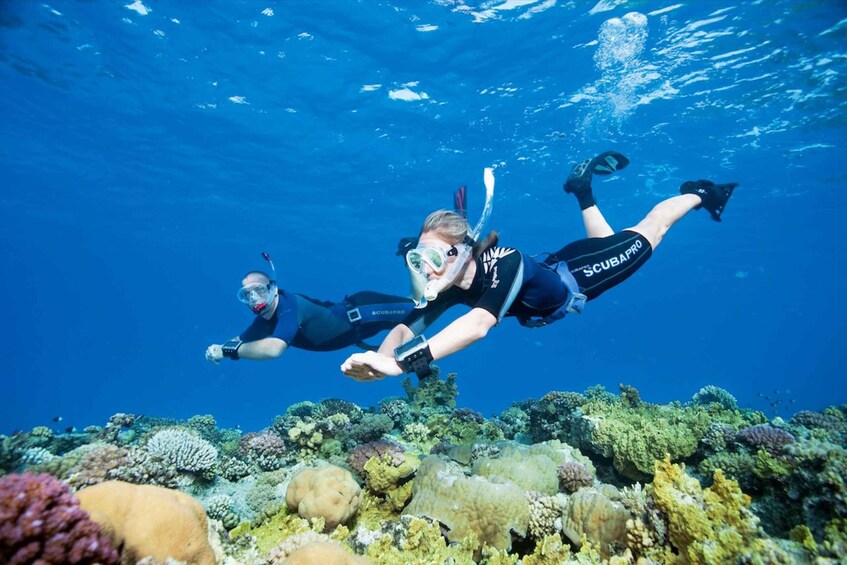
454, 228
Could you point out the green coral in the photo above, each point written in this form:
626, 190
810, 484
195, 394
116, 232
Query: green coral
464, 432
634, 437
384, 478
432, 392
422, 544
549, 551
766, 466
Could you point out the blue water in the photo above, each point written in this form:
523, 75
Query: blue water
150, 151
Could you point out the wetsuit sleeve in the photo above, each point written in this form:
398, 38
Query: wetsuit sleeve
287, 318
259, 329
503, 272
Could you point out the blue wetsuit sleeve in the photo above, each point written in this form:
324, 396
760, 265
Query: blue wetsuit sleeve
288, 318
259, 329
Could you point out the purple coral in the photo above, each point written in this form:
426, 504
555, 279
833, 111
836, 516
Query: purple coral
41, 522
573, 476
265, 449
361, 453
765, 436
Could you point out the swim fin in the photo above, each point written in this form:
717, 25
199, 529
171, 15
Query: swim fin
579, 181
713, 196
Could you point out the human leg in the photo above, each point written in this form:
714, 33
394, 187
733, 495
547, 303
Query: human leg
659, 220
694, 195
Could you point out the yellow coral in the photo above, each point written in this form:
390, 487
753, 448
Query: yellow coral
712, 525
551, 551
382, 477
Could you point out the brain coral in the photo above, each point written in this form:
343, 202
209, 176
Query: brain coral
468, 505
328, 492
590, 513
324, 553
42, 522
534, 468
150, 521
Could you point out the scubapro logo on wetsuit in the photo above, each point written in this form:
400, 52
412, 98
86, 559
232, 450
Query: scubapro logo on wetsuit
387, 312
596, 268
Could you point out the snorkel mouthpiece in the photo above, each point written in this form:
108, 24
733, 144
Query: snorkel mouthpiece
434, 287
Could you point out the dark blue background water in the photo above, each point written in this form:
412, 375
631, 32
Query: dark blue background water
149, 153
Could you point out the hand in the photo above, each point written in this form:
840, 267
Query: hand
214, 354
370, 366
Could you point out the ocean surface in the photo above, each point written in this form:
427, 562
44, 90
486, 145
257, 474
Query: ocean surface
151, 150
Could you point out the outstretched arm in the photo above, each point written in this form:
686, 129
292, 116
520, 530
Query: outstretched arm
259, 350
465, 330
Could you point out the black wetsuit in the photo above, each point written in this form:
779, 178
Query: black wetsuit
509, 283
316, 325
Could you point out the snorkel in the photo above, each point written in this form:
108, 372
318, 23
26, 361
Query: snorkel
429, 290
259, 307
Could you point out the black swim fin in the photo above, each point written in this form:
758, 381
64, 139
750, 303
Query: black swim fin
605, 163
579, 181
713, 196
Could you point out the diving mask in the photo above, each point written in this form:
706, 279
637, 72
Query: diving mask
257, 296
424, 290
435, 257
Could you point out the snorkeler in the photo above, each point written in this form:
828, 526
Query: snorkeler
452, 266
285, 319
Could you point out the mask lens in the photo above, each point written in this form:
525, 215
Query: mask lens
414, 260
435, 257
432, 256
254, 293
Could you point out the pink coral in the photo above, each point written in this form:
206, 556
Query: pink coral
361, 453
41, 522
764, 436
573, 476
264, 449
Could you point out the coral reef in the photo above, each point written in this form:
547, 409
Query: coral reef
42, 522
547, 481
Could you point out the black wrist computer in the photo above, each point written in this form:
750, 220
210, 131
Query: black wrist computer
230, 348
414, 356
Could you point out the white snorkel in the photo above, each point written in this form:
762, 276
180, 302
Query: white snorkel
432, 288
